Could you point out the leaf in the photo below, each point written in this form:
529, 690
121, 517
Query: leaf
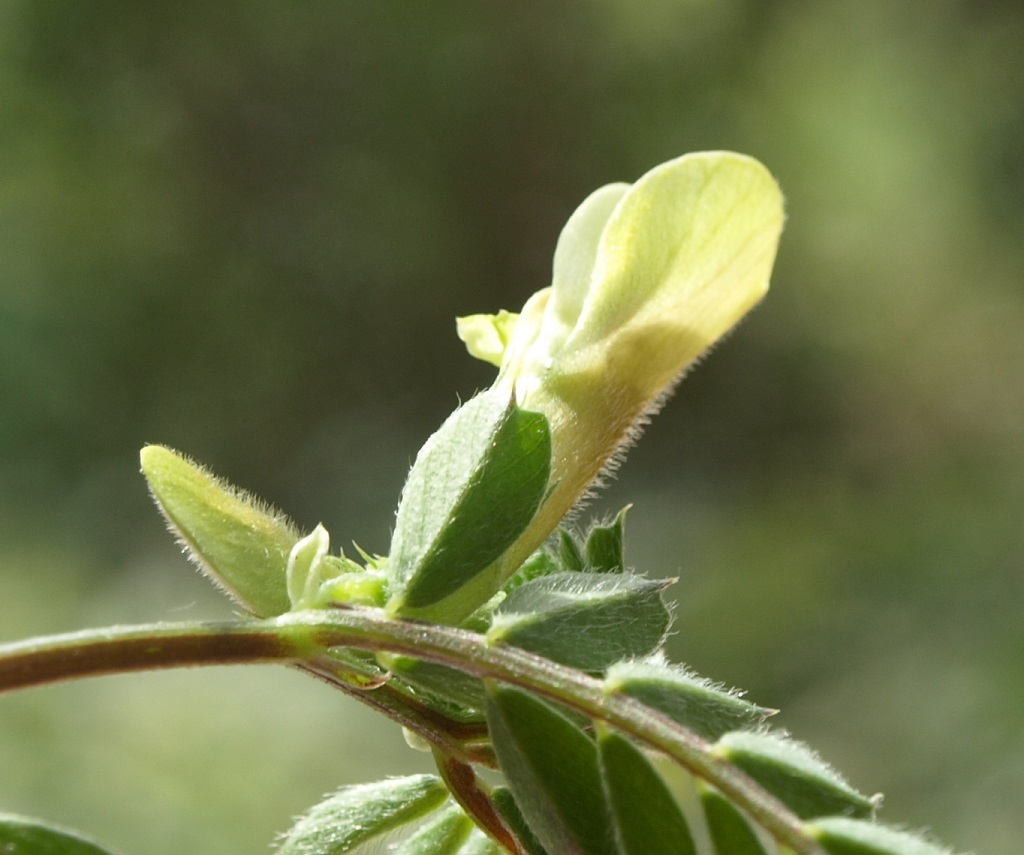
444, 834
844, 836
694, 702
586, 621
479, 843
439, 682
505, 803
356, 814
552, 771
794, 774
569, 552
728, 828
648, 821
474, 487
606, 545
233, 537
20, 835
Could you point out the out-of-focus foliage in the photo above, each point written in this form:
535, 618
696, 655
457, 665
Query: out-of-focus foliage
244, 230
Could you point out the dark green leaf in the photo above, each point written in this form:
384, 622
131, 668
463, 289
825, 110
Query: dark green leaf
505, 804
648, 821
844, 836
568, 552
584, 620
444, 834
552, 770
473, 489
356, 814
794, 774
606, 546
22, 836
708, 710
439, 682
728, 828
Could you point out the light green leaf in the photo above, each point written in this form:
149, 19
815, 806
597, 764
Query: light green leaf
474, 487
480, 844
234, 538
552, 770
696, 703
443, 834
728, 828
20, 835
438, 682
648, 821
794, 774
356, 814
844, 836
586, 621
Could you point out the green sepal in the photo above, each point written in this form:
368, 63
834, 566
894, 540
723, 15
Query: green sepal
443, 834
730, 831
20, 835
584, 620
505, 803
694, 702
605, 546
237, 540
569, 551
473, 489
648, 820
844, 836
551, 767
794, 774
356, 814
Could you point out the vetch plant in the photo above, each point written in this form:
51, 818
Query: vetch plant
498, 639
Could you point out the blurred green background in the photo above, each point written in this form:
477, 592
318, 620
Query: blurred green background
244, 229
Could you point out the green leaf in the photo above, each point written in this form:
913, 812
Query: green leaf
234, 538
648, 821
444, 834
844, 836
439, 682
694, 702
480, 844
552, 770
569, 551
20, 835
474, 487
606, 546
356, 814
586, 621
728, 828
505, 803
794, 774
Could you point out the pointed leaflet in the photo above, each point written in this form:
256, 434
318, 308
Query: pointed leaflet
356, 814
474, 487
692, 701
232, 536
794, 774
443, 834
552, 770
648, 821
844, 836
584, 620
20, 835
729, 830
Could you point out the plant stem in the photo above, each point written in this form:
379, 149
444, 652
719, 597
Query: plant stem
304, 638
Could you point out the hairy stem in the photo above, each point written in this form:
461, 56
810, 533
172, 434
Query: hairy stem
304, 638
